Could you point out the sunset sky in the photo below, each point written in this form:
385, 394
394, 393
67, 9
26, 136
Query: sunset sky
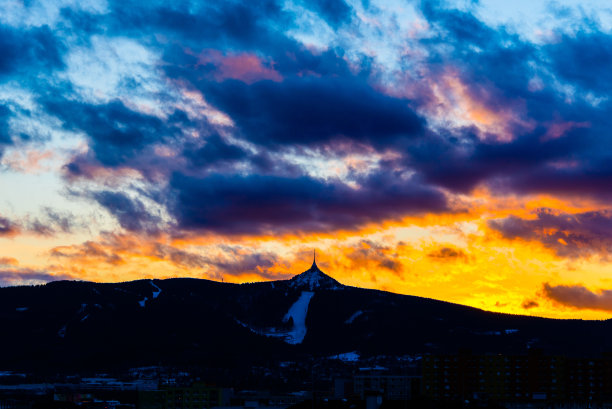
456, 150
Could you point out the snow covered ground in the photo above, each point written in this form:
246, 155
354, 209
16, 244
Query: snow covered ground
156, 293
352, 317
347, 356
298, 312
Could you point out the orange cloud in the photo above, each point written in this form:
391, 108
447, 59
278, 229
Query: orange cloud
31, 161
454, 101
8, 261
245, 67
475, 104
578, 297
8, 228
453, 256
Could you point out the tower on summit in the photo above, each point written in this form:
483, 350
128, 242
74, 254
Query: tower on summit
314, 278
314, 261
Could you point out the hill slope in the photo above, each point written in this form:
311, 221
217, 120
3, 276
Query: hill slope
68, 324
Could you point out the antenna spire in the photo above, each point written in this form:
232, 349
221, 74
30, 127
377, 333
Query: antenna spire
314, 260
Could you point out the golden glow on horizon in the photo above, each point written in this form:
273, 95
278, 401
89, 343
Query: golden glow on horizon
454, 257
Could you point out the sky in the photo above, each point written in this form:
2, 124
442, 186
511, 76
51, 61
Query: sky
455, 150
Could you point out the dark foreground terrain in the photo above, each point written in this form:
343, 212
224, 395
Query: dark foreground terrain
69, 325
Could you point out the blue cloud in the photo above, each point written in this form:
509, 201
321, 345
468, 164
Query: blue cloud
332, 99
27, 51
309, 111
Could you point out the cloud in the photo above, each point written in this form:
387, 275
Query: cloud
491, 125
27, 276
245, 262
51, 222
8, 261
582, 59
335, 12
578, 297
36, 49
46, 222
284, 98
231, 25
117, 133
245, 67
218, 118
259, 204
5, 137
310, 111
214, 151
569, 235
369, 253
86, 252
8, 228
131, 213
213, 262
447, 253
528, 304
180, 257
232, 261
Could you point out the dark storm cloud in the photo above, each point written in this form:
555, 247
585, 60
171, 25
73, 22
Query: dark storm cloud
579, 297
309, 111
461, 163
570, 235
254, 203
589, 175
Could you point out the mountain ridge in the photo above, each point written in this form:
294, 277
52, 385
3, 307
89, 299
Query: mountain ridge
75, 324
141, 280
264, 283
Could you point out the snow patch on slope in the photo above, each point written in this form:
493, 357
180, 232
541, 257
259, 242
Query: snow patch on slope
156, 293
313, 279
352, 317
347, 357
298, 312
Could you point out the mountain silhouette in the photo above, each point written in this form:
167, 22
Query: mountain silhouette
76, 325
